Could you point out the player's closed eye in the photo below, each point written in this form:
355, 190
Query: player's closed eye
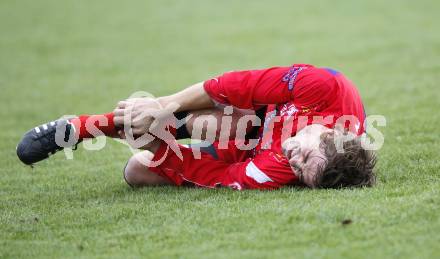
307, 156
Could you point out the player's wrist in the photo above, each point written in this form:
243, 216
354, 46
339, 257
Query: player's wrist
169, 103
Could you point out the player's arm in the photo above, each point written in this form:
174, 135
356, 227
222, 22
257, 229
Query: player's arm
192, 98
142, 109
251, 89
245, 89
248, 89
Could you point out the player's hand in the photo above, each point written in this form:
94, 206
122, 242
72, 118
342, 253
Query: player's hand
292, 151
137, 114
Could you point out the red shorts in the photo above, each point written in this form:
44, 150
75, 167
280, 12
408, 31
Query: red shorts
229, 167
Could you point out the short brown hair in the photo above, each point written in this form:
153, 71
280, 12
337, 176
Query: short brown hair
351, 168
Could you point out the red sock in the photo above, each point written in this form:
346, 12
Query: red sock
90, 126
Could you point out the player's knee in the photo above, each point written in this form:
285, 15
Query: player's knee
135, 170
137, 174
129, 173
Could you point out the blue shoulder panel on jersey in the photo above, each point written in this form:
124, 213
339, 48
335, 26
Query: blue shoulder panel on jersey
332, 71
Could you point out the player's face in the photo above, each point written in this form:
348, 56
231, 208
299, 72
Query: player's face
305, 154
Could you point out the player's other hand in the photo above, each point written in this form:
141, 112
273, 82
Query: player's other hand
137, 114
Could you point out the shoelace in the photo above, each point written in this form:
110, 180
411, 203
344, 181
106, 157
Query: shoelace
47, 133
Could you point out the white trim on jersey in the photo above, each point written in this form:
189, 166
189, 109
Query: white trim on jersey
255, 173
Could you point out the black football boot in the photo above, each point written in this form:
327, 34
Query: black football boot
44, 140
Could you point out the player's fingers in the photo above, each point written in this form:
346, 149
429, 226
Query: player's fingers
118, 112
141, 130
123, 104
135, 132
121, 134
118, 121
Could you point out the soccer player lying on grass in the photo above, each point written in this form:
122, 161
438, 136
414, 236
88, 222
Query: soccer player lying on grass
313, 119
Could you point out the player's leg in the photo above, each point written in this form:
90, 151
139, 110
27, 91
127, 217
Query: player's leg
137, 174
213, 124
40, 142
206, 171
44, 140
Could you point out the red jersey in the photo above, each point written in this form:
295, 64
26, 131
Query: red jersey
295, 97
298, 96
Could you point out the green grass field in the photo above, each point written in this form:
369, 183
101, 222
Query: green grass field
74, 57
